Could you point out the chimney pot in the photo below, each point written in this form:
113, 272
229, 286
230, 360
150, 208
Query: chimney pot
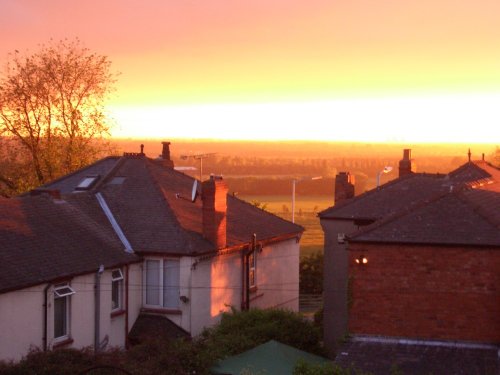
214, 197
142, 149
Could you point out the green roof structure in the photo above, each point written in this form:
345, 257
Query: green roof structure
272, 357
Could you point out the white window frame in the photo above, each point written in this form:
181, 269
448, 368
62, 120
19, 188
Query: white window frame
63, 291
86, 182
161, 302
117, 281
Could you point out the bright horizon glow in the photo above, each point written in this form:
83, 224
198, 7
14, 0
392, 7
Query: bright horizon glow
387, 71
453, 118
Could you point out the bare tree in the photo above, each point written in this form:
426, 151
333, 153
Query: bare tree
52, 105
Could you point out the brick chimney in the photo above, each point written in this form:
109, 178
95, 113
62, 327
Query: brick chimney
405, 163
164, 158
214, 196
344, 186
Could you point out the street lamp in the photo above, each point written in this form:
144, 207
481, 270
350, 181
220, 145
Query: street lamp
386, 170
294, 182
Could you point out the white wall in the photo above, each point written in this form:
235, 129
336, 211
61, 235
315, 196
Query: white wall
277, 276
22, 311
216, 283
21, 322
216, 286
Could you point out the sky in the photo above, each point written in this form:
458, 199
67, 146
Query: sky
339, 70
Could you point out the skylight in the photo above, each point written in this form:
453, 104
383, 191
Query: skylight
118, 180
87, 182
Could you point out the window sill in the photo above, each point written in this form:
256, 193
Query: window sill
159, 310
116, 313
62, 343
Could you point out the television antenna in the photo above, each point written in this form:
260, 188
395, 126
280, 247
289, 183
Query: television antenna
199, 157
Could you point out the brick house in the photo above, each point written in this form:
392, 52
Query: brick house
195, 250
417, 258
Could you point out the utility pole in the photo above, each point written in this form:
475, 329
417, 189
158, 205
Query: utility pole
199, 157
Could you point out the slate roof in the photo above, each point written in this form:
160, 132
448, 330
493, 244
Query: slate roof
469, 217
389, 198
153, 208
66, 184
42, 239
412, 189
413, 358
461, 208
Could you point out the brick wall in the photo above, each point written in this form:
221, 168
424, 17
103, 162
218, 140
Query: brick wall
448, 293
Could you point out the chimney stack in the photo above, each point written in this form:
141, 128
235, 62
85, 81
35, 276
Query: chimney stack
214, 196
405, 163
344, 186
165, 155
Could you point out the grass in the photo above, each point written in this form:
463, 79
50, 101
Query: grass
306, 210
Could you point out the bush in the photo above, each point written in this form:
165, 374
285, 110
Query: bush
236, 333
239, 331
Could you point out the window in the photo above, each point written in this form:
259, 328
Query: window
87, 182
116, 289
252, 269
162, 283
62, 295
118, 180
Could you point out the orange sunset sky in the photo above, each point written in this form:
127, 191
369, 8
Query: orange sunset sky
348, 70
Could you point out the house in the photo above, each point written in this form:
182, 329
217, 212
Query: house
416, 259
64, 276
194, 250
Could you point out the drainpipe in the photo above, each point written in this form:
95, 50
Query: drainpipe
45, 307
126, 307
97, 310
245, 269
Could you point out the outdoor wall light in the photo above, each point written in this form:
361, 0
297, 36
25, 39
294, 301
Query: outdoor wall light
362, 260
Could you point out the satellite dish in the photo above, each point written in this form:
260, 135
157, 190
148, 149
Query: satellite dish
194, 192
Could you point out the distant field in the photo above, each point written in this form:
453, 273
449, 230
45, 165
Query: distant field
306, 209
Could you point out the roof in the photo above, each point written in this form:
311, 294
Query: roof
460, 208
405, 357
152, 207
380, 202
272, 357
412, 189
469, 217
149, 326
42, 239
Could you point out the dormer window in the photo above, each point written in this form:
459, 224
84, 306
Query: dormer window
87, 182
